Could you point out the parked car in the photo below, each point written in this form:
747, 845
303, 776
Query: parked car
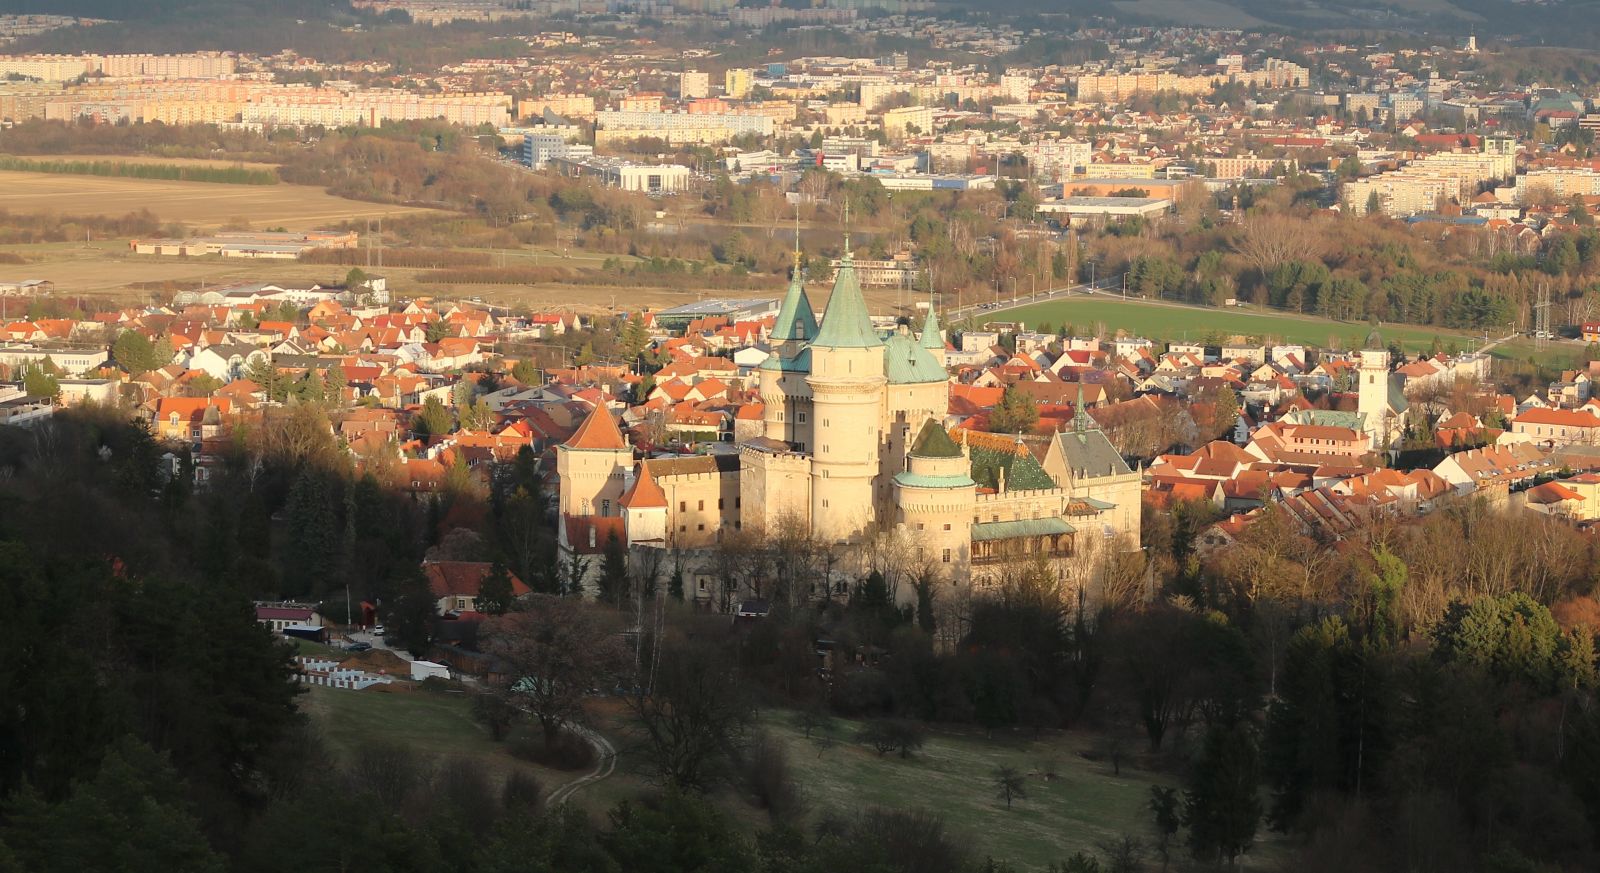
358, 647
377, 630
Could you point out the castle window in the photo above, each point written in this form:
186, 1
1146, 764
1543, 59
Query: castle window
683, 506
699, 527
719, 502
919, 525
735, 503
947, 556
702, 506
801, 417
947, 526
605, 507
683, 528
824, 503
780, 416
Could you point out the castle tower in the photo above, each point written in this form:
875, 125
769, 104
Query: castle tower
919, 389
935, 496
644, 509
593, 465
1373, 391
785, 397
847, 382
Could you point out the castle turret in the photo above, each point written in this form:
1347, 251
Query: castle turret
593, 465
644, 509
934, 497
785, 397
932, 337
846, 382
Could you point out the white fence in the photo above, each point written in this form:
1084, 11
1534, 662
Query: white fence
318, 671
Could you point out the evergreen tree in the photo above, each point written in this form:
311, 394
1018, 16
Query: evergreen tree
136, 354
1015, 413
495, 594
675, 581
265, 374
1374, 204
585, 354
634, 337
132, 816
1220, 806
313, 530
614, 571
410, 615
433, 420
525, 372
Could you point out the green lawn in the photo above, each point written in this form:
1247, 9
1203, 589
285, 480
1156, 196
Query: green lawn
435, 724
1194, 323
1081, 806
1560, 354
952, 774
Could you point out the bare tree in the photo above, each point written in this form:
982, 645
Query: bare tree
555, 649
1009, 784
697, 719
1268, 241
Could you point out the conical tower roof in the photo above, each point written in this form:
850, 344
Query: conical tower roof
931, 338
845, 324
796, 319
934, 442
646, 492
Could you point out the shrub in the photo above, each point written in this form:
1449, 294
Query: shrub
522, 792
766, 773
568, 752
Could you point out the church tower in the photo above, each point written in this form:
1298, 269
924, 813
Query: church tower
593, 467
847, 382
1373, 391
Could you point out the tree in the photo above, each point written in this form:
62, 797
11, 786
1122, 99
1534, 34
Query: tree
1009, 784
136, 354
433, 419
555, 649
614, 572
355, 278
634, 337
1224, 412
1015, 413
1220, 806
131, 816
410, 616
695, 719
39, 383
886, 735
495, 594
526, 372
1165, 811
312, 526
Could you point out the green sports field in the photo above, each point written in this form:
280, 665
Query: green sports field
1177, 323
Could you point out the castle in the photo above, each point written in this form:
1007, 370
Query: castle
854, 448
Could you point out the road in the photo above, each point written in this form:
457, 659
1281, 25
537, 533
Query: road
605, 764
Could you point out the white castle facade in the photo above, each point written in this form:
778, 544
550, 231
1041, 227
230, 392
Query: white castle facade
853, 450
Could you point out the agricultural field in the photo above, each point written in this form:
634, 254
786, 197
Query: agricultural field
201, 205
1173, 322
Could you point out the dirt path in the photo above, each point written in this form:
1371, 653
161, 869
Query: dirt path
605, 764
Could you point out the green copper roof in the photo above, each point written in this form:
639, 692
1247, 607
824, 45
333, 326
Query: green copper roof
931, 338
1023, 473
933, 442
914, 480
845, 324
795, 321
906, 362
1031, 527
800, 363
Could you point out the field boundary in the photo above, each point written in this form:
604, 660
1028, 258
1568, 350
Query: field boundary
163, 172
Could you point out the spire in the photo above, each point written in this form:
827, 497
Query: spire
796, 320
1081, 421
847, 255
845, 324
931, 338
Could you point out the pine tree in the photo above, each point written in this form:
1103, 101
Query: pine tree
614, 571
634, 337
433, 420
39, 383
675, 582
312, 528
136, 354
1220, 807
337, 382
1015, 413
495, 594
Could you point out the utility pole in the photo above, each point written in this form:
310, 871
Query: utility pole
1541, 330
